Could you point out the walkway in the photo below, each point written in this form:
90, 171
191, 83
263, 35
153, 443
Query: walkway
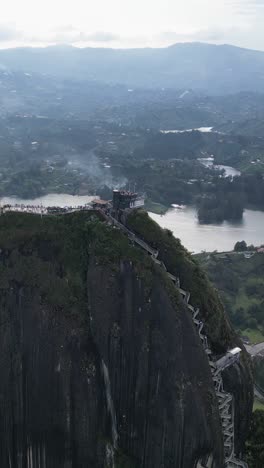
255, 350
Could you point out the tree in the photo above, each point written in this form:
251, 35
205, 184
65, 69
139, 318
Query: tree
255, 445
240, 246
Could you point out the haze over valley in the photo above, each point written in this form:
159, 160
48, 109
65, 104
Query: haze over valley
132, 236
85, 121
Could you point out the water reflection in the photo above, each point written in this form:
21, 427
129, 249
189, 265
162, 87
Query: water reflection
52, 199
197, 237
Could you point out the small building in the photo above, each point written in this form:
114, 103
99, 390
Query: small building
124, 199
98, 203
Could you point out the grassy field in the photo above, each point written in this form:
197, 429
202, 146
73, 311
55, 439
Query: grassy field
156, 208
257, 167
258, 405
255, 336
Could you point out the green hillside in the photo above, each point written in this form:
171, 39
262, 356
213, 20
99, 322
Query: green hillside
240, 281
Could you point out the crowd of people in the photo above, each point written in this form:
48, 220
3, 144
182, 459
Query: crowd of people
42, 210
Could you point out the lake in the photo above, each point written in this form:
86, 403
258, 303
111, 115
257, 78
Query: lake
52, 199
222, 237
189, 130
182, 222
229, 171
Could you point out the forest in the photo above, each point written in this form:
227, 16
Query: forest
240, 282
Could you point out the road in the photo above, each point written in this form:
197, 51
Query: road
258, 393
255, 350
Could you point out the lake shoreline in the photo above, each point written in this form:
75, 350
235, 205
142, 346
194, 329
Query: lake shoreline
51, 199
181, 220
198, 237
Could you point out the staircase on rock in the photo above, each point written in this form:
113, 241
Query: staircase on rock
226, 403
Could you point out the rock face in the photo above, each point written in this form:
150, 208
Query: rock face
100, 363
238, 379
52, 399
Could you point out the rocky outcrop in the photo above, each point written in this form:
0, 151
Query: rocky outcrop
100, 363
159, 373
52, 406
238, 379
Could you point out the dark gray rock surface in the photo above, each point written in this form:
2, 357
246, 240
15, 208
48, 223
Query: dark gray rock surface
105, 355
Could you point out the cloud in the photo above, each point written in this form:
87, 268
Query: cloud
210, 35
247, 8
100, 36
68, 34
9, 33
129, 23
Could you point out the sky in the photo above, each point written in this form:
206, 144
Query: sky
131, 23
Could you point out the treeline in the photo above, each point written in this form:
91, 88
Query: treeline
226, 198
241, 283
164, 182
219, 207
188, 182
227, 149
255, 442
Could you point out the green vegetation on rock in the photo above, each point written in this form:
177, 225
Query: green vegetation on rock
255, 444
156, 208
180, 263
258, 405
110, 299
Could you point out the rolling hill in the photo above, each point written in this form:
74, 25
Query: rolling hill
205, 67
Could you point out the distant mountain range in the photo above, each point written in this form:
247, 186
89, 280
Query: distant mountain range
208, 68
